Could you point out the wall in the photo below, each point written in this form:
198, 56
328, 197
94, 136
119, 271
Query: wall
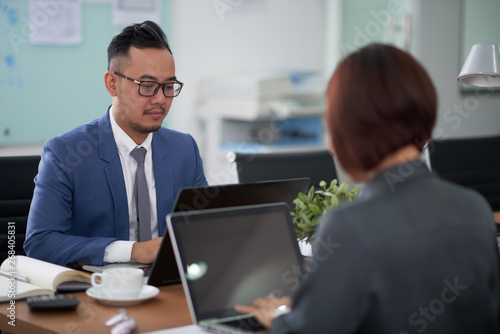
46, 90
480, 24
333, 36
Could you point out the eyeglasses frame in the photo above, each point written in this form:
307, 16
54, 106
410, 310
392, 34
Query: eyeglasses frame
160, 85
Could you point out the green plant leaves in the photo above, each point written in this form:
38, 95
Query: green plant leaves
310, 208
315, 209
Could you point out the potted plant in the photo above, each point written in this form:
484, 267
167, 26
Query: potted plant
310, 208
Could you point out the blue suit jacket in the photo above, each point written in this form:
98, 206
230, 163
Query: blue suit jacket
80, 204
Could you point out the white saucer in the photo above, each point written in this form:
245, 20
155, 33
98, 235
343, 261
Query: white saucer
146, 293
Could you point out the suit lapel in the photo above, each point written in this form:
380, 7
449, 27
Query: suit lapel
163, 180
114, 174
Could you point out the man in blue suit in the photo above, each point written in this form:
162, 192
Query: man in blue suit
84, 208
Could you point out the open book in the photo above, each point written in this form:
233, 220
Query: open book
43, 277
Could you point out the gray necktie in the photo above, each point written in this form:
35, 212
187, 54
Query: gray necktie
142, 196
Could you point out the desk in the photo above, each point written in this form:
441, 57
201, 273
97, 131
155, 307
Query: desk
167, 310
496, 216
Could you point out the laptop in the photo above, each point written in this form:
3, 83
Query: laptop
231, 256
229, 195
164, 270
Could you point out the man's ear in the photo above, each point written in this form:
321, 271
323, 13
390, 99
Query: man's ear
110, 83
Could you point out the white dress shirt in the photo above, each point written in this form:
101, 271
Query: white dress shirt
121, 251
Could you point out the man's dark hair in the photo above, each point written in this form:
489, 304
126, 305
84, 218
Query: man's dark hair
140, 35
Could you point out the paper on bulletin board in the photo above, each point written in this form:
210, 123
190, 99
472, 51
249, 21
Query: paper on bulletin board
55, 22
127, 12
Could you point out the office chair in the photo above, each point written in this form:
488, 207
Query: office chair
253, 167
16, 190
471, 162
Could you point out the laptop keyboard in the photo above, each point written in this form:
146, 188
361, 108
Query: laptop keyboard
146, 269
247, 324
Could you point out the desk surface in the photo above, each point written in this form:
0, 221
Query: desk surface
167, 310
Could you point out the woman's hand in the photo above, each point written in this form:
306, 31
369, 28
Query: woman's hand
263, 309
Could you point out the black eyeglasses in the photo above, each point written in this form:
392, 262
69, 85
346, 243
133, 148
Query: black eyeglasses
150, 88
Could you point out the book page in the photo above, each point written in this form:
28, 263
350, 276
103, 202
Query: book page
19, 290
44, 274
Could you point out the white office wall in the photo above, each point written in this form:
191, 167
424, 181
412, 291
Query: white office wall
436, 38
217, 37
333, 36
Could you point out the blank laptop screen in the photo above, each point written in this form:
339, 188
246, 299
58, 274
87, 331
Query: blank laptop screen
229, 195
233, 256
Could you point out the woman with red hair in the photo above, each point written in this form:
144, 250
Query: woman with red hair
415, 253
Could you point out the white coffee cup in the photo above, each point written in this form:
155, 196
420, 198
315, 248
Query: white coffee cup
118, 283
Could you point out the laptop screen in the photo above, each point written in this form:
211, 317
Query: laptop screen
232, 256
228, 195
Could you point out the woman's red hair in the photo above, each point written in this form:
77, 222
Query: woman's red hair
379, 100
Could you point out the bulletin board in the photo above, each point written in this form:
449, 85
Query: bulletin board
48, 89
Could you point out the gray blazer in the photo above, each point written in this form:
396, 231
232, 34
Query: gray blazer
414, 254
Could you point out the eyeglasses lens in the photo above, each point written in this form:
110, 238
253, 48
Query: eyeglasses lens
151, 88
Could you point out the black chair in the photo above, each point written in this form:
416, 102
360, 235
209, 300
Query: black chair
318, 165
16, 191
471, 162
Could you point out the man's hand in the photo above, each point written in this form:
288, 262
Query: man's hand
145, 251
263, 308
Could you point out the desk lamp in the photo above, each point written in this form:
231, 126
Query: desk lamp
482, 66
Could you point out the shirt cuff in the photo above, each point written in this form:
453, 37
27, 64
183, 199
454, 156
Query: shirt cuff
118, 251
